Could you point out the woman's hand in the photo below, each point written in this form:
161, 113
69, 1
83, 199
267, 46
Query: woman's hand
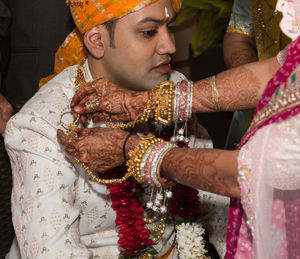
99, 148
108, 102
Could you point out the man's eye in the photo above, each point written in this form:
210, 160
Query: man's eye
172, 28
149, 34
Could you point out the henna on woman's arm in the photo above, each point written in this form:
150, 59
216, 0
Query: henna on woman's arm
239, 88
206, 169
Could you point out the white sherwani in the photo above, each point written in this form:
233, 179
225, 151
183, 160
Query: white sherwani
57, 210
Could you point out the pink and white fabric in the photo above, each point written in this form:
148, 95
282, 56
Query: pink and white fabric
291, 17
266, 223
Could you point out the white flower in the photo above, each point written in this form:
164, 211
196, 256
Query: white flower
190, 243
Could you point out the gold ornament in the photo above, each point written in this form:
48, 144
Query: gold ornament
164, 102
136, 156
215, 93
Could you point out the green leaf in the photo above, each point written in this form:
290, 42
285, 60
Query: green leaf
201, 5
152, 250
207, 38
201, 29
223, 5
186, 14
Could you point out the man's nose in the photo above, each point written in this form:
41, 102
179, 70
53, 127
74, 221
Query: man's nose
166, 43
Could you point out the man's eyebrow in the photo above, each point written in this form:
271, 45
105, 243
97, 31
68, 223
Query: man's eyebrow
173, 19
158, 21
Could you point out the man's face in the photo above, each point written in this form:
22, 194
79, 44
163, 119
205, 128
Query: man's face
143, 43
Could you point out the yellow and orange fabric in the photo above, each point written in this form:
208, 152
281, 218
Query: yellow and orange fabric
86, 16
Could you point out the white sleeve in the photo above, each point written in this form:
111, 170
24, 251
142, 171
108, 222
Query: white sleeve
45, 214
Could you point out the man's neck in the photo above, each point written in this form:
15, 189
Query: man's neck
95, 71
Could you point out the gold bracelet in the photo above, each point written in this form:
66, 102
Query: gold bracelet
164, 103
136, 156
158, 177
215, 93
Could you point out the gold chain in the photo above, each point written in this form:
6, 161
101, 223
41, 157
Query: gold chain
102, 181
80, 80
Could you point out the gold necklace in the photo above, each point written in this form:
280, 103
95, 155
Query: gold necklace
80, 80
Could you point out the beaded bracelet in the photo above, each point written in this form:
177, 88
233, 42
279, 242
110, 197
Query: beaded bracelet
151, 162
151, 165
136, 156
182, 104
163, 181
189, 103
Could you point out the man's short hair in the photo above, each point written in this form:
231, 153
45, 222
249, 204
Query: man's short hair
110, 26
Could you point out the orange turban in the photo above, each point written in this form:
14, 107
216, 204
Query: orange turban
87, 16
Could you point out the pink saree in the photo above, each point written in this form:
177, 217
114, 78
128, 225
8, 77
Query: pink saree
266, 222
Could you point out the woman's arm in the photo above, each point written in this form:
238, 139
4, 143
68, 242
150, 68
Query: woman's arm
211, 170
239, 88
207, 169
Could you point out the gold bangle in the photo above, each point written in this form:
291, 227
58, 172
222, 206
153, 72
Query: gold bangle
164, 103
136, 156
215, 93
158, 177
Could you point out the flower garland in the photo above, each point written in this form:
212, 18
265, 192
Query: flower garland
134, 240
190, 242
134, 236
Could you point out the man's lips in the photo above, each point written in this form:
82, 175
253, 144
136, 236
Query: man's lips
163, 68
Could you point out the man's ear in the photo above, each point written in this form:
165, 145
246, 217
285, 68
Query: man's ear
94, 40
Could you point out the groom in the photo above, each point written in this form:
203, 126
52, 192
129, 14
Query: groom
58, 212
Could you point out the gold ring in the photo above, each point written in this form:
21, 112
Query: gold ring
71, 150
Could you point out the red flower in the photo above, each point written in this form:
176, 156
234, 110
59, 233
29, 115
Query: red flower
125, 201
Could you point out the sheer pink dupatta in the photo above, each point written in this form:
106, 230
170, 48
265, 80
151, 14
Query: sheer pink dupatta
278, 207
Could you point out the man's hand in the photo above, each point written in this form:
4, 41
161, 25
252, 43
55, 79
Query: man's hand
106, 101
5, 113
99, 148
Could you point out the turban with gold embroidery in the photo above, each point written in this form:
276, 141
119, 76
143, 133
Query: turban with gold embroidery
87, 15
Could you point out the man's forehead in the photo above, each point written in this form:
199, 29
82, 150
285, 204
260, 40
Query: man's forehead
160, 12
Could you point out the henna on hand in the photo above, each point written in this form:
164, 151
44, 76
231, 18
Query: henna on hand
99, 148
109, 101
206, 169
